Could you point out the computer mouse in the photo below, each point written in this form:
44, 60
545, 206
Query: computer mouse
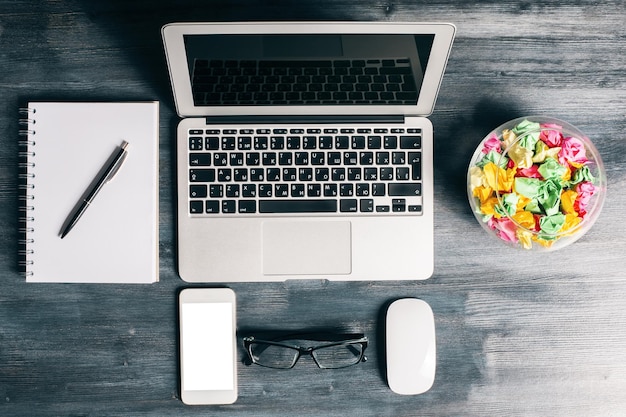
410, 346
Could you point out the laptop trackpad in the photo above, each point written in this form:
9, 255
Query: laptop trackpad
306, 247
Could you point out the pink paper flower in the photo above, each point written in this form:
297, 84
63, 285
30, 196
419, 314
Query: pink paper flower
507, 230
492, 144
532, 172
552, 138
585, 191
572, 150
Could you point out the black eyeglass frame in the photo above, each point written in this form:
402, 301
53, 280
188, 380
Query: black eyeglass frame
354, 339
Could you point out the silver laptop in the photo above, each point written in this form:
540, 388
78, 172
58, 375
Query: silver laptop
304, 151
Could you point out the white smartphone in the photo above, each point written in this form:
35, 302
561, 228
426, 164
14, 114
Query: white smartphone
208, 350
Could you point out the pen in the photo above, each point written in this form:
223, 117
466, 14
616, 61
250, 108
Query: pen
107, 173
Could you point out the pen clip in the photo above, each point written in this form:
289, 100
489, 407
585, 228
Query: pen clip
119, 163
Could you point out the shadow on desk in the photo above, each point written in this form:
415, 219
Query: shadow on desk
456, 141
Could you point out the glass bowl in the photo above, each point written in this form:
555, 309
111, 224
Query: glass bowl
536, 183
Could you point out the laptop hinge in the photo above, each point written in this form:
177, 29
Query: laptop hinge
320, 119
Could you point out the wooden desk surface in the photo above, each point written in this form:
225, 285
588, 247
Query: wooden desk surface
518, 334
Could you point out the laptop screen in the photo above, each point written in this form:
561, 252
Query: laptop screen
306, 69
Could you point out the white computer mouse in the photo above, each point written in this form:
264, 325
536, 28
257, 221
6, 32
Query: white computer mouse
410, 346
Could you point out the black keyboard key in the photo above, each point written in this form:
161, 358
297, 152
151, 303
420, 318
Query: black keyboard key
260, 142
233, 190
224, 174
348, 205
216, 190
378, 189
366, 205
220, 159
195, 143
342, 142
277, 142
373, 142
212, 207
314, 190
201, 175
236, 159
212, 143
330, 190
297, 206
386, 174
281, 190
395, 70
346, 190
309, 142
362, 189
196, 207
228, 143
390, 142
198, 191
265, 190
410, 142
398, 205
253, 158
404, 189
350, 158
402, 174
200, 159
297, 190
415, 160
398, 158
293, 142
269, 158
273, 174
247, 206
358, 142
228, 206
317, 158
285, 158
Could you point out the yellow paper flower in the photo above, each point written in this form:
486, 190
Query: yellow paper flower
568, 197
477, 177
571, 221
504, 178
543, 151
525, 238
524, 219
522, 202
522, 157
508, 137
482, 193
567, 175
488, 207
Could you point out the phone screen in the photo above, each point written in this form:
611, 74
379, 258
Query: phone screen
207, 346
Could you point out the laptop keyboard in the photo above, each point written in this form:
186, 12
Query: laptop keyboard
290, 82
260, 171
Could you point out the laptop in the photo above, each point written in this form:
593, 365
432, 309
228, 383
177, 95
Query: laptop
304, 150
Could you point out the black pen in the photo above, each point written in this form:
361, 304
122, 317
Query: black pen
107, 172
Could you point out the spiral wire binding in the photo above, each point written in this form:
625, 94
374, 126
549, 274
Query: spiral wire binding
26, 186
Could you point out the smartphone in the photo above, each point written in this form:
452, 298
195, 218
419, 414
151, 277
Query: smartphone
208, 365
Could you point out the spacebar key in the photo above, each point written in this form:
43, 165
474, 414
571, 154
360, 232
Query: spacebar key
297, 206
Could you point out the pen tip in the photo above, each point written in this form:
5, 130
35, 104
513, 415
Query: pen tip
124, 144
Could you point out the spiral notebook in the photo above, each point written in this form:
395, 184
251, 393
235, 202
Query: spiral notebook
64, 147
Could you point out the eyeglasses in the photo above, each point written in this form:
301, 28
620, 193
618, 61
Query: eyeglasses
284, 353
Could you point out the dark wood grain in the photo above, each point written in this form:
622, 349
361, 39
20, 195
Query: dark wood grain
518, 334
